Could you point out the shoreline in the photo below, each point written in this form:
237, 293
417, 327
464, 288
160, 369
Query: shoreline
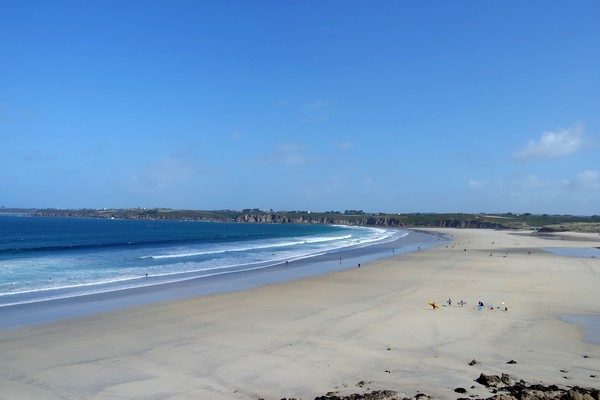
26, 314
329, 333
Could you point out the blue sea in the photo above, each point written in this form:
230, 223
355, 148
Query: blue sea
48, 259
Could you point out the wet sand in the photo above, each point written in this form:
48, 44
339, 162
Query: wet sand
307, 337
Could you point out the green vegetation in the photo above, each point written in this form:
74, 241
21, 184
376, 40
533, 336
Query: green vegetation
527, 221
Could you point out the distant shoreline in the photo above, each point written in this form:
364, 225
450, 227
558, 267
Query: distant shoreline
508, 221
56, 309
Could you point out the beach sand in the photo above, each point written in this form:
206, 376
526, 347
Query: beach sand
302, 339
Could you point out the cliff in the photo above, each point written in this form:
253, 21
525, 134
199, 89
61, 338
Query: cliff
383, 220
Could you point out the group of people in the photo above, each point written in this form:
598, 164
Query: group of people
480, 305
502, 307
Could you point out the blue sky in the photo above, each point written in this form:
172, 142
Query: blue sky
386, 106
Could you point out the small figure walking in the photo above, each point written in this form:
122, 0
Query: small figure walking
449, 301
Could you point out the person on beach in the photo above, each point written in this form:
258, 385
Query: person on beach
433, 305
449, 301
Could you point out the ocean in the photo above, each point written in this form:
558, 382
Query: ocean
49, 259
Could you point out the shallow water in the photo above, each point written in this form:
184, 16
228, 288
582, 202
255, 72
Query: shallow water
590, 324
278, 254
44, 259
588, 252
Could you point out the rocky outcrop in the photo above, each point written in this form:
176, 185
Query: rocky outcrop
506, 389
374, 395
495, 381
502, 387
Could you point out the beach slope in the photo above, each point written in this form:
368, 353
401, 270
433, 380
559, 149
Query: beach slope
363, 329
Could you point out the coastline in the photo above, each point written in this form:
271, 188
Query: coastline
26, 314
319, 334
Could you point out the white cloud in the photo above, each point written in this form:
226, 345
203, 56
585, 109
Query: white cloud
475, 184
558, 143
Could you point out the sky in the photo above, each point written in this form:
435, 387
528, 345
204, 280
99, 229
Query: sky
381, 106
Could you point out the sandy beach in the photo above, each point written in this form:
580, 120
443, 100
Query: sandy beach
305, 338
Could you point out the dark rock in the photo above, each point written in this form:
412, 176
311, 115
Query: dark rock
511, 362
528, 394
473, 362
572, 395
374, 395
502, 387
543, 388
506, 379
422, 396
502, 397
492, 381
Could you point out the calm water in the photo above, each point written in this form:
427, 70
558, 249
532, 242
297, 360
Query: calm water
588, 252
590, 324
45, 259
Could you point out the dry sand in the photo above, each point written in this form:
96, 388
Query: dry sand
305, 338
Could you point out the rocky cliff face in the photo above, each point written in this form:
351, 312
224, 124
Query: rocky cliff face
365, 221
271, 218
